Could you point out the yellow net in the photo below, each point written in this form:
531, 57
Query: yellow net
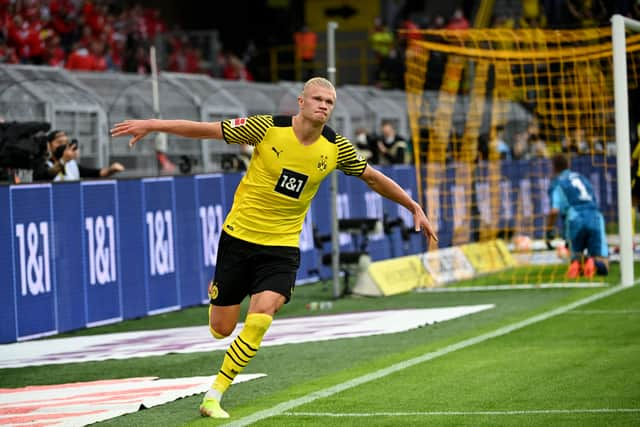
487, 107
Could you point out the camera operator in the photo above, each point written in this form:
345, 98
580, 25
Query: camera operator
23, 148
63, 165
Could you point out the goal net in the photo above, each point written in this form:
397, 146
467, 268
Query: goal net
487, 109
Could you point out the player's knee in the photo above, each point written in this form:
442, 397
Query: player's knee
220, 331
217, 335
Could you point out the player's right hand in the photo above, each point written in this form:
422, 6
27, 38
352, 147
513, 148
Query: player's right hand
137, 128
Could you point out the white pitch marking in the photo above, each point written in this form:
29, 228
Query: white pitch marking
197, 338
581, 285
330, 391
445, 413
604, 312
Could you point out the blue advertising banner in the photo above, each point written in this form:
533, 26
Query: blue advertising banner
32, 244
68, 263
366, 203
103, 291
404, 240
188, 251
211, 207
8, 331
158, 204
88, 253
133, 247
307, 272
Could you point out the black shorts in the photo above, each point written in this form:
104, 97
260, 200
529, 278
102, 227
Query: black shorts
245, 268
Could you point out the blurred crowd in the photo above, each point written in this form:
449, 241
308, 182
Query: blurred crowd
566, 14
388, 40
108, 35
99, 35
389, 43
78, 35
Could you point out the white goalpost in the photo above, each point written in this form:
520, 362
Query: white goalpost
619, 24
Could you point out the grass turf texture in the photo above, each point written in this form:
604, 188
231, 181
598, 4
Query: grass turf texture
576, 360
543, 274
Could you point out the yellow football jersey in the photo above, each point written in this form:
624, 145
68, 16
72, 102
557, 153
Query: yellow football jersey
284, 175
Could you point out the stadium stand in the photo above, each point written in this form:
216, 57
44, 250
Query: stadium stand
86, 103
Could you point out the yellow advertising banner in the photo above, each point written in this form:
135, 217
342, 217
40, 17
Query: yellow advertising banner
398, 275
488, 257
447, 265
505, 253
484, 257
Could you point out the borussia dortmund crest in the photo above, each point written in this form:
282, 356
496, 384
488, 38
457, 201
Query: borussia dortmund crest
322, 164
213, 290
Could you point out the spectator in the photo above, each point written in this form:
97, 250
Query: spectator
438, 22
135, 59
391, 71
178, 59
7, 54
587, 13
235, 69
409, 31
458, 21
364, 146
498, 146
393, 149
575, 143
306, 42
81, 59
18, 36
63, 165
381, 39
521, 146
537, 147
98, 49
532, 16
139, 62
54, 54
572, 197
5, 18
63, 22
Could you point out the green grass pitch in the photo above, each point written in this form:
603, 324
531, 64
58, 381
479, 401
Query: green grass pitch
576, 368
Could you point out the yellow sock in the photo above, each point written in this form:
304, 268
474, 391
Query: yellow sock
242, 349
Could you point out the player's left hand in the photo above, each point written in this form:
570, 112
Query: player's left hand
423, 224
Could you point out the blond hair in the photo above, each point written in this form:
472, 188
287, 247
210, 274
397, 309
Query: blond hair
318, 81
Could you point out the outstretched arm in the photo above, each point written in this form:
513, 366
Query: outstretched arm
138, 129
386, 187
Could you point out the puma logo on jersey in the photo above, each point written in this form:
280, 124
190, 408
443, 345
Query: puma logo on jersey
275, 150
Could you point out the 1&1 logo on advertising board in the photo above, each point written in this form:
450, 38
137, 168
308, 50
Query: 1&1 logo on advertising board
159, 212
32, 238
210, 205
100, 240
